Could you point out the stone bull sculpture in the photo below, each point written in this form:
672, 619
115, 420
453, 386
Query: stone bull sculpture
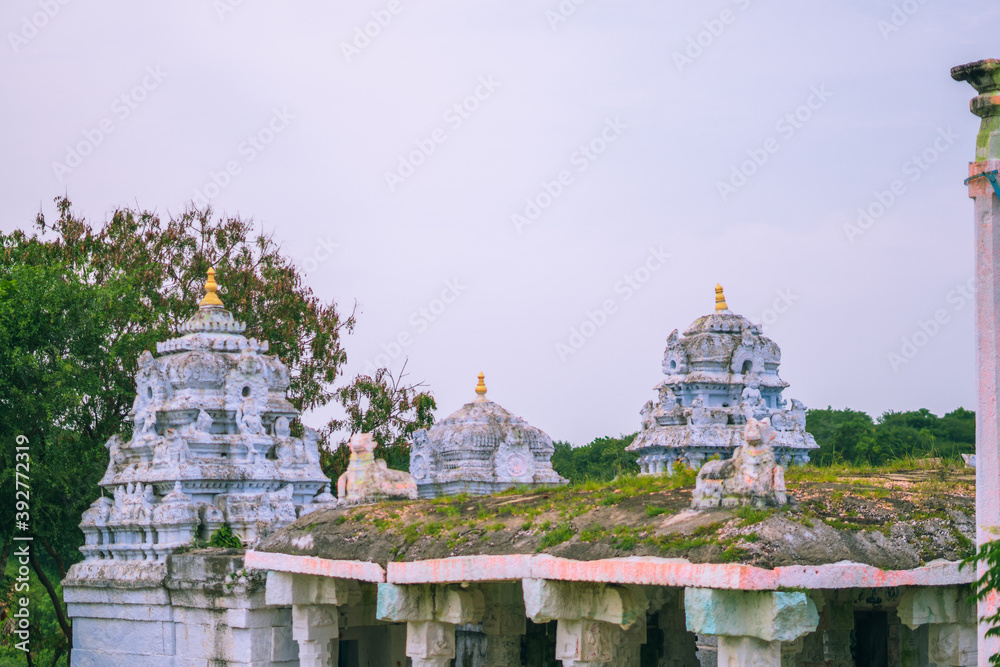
752, 477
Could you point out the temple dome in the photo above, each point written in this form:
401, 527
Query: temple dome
480, 448
721, 371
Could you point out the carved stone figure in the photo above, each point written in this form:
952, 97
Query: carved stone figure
751, 477
368, 479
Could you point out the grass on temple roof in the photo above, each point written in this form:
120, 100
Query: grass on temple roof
635, 515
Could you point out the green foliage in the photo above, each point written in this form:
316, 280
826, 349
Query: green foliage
601, 460
557, 535
850, 436
79, 302
225, 538
988, 584
388, 409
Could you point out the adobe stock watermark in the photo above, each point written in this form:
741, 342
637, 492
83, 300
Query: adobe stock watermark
784, 299
419, 321
365, 34
454, 117
562, 12
926, 330
704, 39
321, 253
786, 126
121, 108
581, 159
900, 16
624, 289
32, 25
914, 169
223, 8
247, 151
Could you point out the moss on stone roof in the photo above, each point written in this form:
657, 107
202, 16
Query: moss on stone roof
893, 518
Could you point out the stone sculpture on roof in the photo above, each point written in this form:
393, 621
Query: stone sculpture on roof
751, 477
211, 445
368, 479
719, 375
481, 449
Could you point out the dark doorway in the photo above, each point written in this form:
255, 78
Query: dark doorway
348, 656
538, 645
870, 647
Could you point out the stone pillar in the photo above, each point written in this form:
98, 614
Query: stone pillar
503, 624
315, 618
431, 613
317, 631
951, 620
984, 76
594, 620
750, 625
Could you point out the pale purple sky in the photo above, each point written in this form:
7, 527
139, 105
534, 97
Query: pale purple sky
611, 118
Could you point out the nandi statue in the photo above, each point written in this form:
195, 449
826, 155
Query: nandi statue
368, 479
751, 477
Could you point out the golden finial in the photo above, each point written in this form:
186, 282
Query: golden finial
720, 299
481, 387
211, 298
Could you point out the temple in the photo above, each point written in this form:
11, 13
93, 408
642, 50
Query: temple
211, 447
720, 373
479, 449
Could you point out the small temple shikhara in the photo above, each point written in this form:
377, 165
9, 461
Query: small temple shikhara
719, 374
324, 583
481, 448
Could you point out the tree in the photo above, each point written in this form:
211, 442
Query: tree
380, 404
602, 459
839, 433
80, 302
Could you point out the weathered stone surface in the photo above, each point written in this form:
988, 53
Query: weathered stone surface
481, 449
368, 479
945, 604
751, 477
211, 445
771, 616
446, 604
720, 373
984, 76
546, 600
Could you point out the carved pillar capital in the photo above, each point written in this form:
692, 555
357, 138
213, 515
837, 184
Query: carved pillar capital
430, 643
316, 628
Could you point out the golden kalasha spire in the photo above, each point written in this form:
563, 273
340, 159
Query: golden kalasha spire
211, 299
481, 387
720, 299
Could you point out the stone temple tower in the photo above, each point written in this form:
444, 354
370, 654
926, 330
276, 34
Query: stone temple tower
720, 372
480, 449
211, 445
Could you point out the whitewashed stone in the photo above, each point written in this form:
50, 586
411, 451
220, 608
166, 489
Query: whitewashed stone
211, 444
751, 477
368, 479
719, 374
481, 449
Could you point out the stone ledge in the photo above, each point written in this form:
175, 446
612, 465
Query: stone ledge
676, 573
323, 567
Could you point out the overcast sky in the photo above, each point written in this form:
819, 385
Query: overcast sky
543, 191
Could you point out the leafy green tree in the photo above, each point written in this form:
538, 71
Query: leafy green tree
79, 302
380, 404
839, 433
602, 459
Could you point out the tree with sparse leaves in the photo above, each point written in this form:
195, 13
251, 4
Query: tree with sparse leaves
383, 405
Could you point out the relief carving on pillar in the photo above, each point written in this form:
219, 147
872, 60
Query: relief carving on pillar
588, 641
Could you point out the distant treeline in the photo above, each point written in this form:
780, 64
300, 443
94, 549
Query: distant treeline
844, 436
